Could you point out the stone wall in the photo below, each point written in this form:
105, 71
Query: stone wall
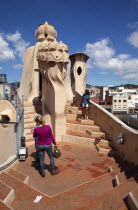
112, 127
131, 121
8, 145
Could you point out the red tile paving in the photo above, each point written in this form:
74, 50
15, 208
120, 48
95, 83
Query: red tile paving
75, 168
3, 206
82, 184
111, 199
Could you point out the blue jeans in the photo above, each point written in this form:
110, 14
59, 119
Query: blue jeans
41, 152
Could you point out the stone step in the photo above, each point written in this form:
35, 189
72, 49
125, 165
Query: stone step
28, 120
81, 128
29, 125
74, 111
24, 194
114, 166
100, 205
115, 172
29, 113
28, 116
87, 134
29, 143
84, 141
29, 139
72, 116
7, 194
73, 108
123, 166
113, 198
28, 194
86, 122
103, 149
3, 206
117, 165
28, 136
27, 131
78, 122
92, 189
133, 199
28, 103
120, 178
29, 109
132, 171
102, 142
20, 176
95, 134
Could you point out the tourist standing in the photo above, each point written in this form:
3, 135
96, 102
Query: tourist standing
85, 104
44, 144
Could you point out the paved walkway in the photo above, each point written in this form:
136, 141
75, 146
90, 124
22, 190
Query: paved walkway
77, 165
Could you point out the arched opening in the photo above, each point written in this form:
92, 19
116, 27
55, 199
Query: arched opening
79, 70
5, 118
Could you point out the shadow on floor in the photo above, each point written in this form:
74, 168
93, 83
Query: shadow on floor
36, 164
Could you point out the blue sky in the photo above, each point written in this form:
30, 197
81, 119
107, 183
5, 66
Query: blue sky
106, 30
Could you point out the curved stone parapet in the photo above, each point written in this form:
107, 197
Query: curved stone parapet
112, 127
7, 111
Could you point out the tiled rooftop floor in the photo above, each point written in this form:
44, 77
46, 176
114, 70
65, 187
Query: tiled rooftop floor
77, 164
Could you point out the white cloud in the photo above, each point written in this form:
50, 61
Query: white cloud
133, 39
1, 68
131, 76
124, 56
99, 53
103, 72
18, 48
20, 45
13, 37
18, 66
100, 50
89, 64
103, 56
6, 53
133, 25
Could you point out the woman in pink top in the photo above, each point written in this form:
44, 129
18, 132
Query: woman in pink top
44, 144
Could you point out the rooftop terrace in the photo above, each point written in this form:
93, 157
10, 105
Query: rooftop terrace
83, 183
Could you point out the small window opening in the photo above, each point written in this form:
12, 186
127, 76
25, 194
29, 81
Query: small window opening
79, 70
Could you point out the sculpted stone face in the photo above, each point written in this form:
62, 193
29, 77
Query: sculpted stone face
50, 50
53, 51
44, 53
65, 52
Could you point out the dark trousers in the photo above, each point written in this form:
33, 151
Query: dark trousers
41, 152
